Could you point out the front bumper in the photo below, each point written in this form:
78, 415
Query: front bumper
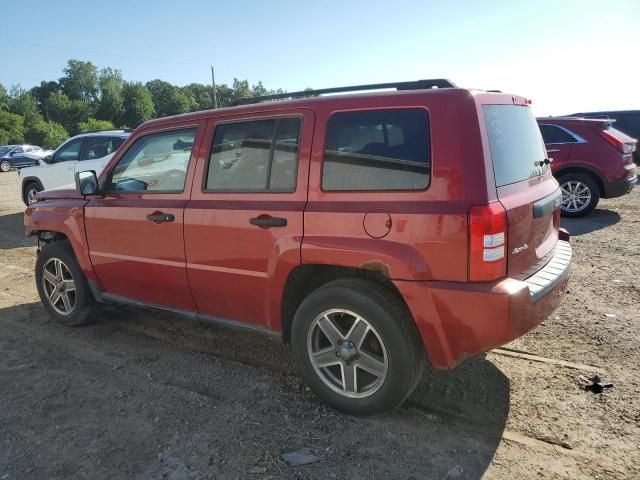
457, 320
619, 188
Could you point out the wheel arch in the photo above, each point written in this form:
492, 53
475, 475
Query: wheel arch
25, 182
583, 170
305, 278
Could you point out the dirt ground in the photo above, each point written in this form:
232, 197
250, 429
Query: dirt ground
141, 394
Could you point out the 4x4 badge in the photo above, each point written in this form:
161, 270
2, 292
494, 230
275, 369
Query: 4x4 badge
519, 249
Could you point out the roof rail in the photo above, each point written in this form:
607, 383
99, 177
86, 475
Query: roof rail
125, 130
415, 85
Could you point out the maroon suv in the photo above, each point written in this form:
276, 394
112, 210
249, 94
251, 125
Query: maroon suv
381, 235
591, 160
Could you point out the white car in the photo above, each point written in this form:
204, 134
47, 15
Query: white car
87, 151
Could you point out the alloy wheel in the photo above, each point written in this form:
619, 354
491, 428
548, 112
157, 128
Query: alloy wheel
347, 353
31, 195
59, 286
576, 196
5, 166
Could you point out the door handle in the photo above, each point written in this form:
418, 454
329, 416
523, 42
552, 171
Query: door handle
267, 221
555, 150
160, 217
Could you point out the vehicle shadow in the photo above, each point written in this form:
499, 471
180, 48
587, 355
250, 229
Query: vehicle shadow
596, 220
11, 232
453, 422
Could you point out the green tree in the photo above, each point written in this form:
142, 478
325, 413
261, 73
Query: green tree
80, 81
46, 134
200, 94
93, 124
42, 94
24, 103
68, 112
169, 99
110, 106
138, 104
11, 128
4, 98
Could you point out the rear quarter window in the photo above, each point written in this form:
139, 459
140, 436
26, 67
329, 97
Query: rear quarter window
377, 150
516, 144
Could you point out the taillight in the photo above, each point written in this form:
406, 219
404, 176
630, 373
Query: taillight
487, 242
617, 143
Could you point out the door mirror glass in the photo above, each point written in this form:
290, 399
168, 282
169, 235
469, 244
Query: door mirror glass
87, 182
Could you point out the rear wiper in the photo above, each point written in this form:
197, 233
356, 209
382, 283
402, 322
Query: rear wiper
539, 163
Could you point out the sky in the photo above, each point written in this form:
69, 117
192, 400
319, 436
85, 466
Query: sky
567, 56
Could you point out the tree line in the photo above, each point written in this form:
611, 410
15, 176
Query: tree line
86, 98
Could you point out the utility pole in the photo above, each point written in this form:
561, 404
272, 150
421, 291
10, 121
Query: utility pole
213, 84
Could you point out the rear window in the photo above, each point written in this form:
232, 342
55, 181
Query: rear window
377, 150
624, 138
515, 142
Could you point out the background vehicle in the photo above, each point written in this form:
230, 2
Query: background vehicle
591, 160
18, 156
87, 151
627, 121
324, 221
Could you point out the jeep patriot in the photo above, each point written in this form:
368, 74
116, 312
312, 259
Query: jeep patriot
381, 234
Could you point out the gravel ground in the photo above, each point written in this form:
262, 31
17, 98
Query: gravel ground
143, 394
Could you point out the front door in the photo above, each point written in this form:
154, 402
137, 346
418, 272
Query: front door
60, 171
243, 225
135, 233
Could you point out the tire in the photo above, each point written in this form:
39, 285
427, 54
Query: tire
588, 194
83, 305
5, 166
392, 345
29, 189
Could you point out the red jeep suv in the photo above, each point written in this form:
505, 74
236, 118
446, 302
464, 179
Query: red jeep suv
381, 234
591, 160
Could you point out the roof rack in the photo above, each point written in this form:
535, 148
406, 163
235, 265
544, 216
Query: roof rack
125, 130
415, 85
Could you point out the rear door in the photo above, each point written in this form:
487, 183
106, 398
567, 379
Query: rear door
243, 225
135, 233
558, 142
524, 185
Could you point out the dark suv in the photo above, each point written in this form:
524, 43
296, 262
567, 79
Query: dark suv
381, 235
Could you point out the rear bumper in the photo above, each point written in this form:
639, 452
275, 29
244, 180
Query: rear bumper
619, 188
457, 320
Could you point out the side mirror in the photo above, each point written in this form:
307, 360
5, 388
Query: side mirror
87, 182
48, 158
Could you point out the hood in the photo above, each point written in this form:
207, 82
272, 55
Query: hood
64, 192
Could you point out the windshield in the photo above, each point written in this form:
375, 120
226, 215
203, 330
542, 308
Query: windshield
516, 145
4, 150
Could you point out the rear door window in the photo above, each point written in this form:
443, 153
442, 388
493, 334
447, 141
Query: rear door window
553, 134
255, 156
377, 150
517, 148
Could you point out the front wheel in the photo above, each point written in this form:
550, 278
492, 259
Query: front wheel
580, 194
62, 287
357, 347
5, 165
31, 189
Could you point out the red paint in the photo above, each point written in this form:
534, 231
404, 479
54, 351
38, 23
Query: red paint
212, 260
598, 153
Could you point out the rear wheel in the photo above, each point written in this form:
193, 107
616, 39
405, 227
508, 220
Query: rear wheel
580, 194
357, 347
62, 287
30, 191
5, 165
